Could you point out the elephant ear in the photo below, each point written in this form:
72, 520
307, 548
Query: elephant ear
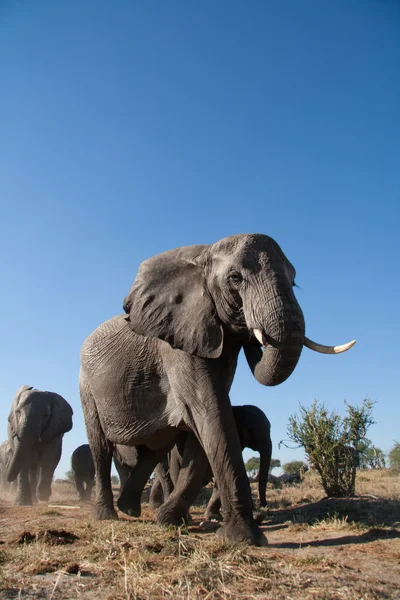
60, 420
169, 300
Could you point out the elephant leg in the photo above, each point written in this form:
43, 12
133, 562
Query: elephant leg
213, 510
124, 472
129, 501
156, 493
33, 479
79, 486
88, 491
219, 438
24, 496
175, 511
265, 461
102, 457
162, 485
50, 454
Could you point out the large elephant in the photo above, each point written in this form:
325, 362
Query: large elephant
82, 466
254, 430
36, 426
169, 363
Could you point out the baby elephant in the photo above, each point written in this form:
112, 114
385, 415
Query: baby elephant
83, 469
187, 461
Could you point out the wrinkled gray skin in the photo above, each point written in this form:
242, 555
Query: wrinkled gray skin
254, 430
169, 364
36, 426
5, 458
82, 466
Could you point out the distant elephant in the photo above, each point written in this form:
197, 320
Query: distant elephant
168, 365
5, 458
36, 426
254, 431
83, 469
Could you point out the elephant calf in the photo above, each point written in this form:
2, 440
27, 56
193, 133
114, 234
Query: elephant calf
254, 431
82, 466
36, 426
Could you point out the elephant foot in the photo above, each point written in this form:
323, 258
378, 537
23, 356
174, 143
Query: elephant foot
242, 532
129, 506
172, 515
23, 501
44, 495
258, 516
35, 500
101, 512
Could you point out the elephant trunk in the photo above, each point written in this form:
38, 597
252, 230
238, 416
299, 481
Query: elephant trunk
22, 448
17, 460
275, 361
278, 329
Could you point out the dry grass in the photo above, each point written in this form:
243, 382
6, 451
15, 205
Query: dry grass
318, 549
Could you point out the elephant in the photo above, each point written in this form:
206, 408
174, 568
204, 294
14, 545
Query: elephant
168, 363
83, 469
36, 426
254, 430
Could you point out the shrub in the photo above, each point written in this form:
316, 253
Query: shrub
292, 467
275, 463
370, 457
394, 457
252, 466
331, 443
69, 476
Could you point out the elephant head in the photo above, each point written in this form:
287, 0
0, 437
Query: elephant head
199, 298
35, 417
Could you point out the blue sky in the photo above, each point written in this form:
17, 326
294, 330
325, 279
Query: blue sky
128, 128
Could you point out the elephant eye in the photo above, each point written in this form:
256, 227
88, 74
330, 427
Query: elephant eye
235, 279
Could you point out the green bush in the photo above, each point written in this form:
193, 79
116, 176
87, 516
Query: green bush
252, 466
394, 457
370, 457
275, 463
331, 443
292, 467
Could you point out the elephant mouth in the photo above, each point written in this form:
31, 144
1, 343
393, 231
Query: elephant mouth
265, 341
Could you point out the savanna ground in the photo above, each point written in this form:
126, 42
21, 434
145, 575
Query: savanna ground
318, 548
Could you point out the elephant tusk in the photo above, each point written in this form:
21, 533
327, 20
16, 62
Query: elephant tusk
260, 337
327, 349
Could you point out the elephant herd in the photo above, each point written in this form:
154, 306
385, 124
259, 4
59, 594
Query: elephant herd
155, 382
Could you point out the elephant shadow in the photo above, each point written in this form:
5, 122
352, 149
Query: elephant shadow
373, 534
366, 510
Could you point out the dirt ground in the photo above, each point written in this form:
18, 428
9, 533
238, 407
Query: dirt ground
318, 548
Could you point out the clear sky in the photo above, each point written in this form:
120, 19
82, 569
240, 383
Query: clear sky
129, 128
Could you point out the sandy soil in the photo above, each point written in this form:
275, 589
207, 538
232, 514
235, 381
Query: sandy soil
317, 548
